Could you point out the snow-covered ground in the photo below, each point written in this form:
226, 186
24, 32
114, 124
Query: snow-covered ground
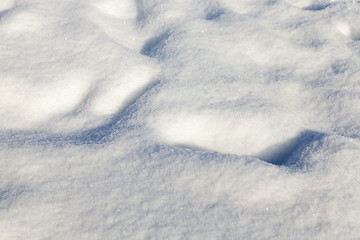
179, 119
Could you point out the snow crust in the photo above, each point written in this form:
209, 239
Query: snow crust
179, 119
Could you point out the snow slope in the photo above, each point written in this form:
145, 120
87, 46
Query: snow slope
179, 119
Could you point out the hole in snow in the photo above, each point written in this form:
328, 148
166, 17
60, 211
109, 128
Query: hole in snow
272, 139
279, 154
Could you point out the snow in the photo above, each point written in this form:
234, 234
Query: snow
169, 119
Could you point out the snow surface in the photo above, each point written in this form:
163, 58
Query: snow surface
179, 119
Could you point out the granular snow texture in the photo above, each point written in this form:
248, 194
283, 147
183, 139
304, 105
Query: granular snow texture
179, 119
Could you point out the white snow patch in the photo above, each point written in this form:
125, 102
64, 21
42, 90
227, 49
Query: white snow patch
25, 102
23, 22
125, 9
172, 119
6, 5
110, 96
352, 31
226, 134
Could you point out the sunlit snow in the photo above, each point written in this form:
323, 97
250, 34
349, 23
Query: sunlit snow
179, 119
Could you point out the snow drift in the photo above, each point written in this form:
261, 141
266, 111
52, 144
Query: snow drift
172, 119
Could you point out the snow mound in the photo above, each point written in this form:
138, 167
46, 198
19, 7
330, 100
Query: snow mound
75, 80
172, 119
